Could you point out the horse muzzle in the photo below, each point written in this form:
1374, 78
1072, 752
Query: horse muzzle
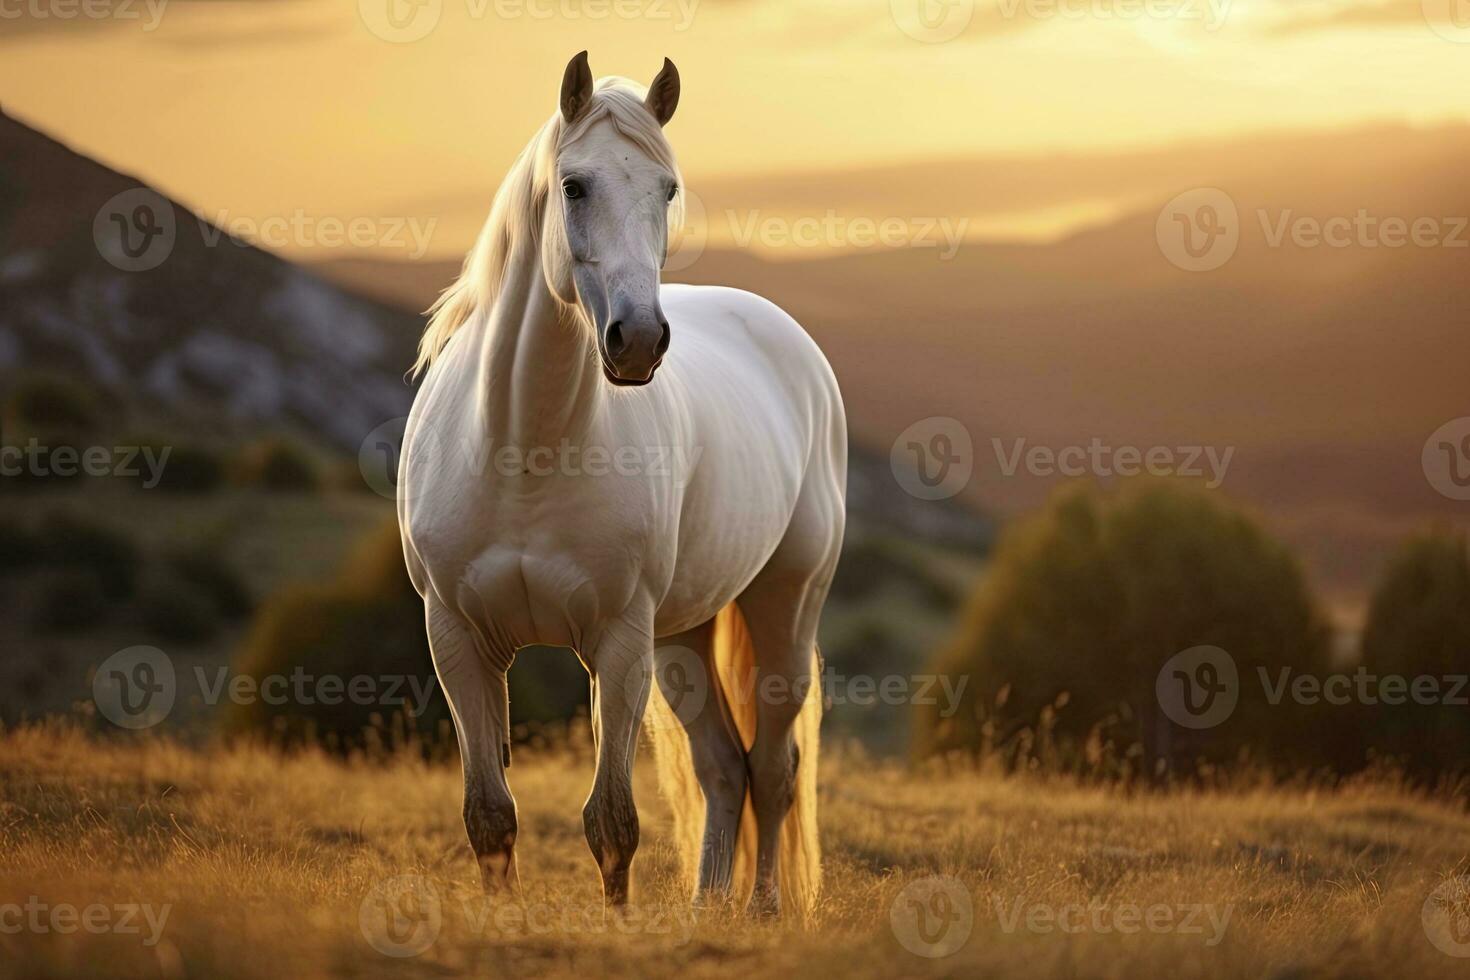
632, 349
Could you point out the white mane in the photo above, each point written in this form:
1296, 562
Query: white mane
515, 216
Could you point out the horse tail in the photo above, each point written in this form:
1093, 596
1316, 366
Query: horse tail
801, 850
734, 659
676, 783
733, 655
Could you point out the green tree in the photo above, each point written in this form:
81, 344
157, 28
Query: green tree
1085, 602
1419, 626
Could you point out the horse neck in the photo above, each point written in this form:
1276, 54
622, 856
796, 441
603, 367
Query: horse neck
543, 385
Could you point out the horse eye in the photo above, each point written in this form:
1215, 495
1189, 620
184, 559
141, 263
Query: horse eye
672, 191
572, 189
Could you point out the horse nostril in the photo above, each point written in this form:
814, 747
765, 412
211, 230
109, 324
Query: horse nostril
663, 341
615, 338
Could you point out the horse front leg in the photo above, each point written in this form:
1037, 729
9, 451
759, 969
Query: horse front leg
474, 684
622, 674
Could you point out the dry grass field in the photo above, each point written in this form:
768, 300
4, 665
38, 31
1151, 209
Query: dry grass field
145, 857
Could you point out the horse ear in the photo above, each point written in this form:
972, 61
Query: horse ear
576, 87
663, 94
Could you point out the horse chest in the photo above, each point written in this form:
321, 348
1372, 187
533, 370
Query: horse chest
548, 579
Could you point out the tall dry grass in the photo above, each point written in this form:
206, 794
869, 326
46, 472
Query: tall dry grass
269, 865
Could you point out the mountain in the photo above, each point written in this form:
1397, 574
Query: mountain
114, 285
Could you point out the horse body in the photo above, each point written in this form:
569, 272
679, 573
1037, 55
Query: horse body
552, 492
660, 494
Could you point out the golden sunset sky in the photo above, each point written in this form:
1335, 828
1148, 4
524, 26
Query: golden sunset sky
269, 107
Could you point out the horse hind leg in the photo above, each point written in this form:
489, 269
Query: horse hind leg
692, 700
475, 686
781, 608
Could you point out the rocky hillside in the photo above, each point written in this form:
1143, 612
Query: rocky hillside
114, 285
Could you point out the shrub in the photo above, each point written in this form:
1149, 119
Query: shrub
369, 622
110, 555
216, 580
70, 600
189, 469
19, 549
1086, 602
50, 404
278, 464
176, 612
1419, 625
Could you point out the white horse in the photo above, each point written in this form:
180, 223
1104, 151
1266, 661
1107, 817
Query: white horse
538, 506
